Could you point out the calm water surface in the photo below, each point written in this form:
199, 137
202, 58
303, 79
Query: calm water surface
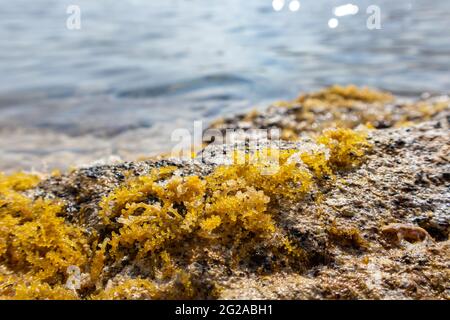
138, 69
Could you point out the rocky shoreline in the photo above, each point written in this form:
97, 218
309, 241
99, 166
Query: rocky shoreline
362, 213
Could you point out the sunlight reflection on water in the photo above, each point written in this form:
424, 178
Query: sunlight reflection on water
138, 69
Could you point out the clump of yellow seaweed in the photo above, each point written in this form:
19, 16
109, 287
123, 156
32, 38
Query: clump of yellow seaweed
338, 107
162, 222
344, 146
36, 242
346, 96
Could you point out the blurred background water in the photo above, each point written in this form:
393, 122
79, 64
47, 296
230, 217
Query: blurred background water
137, 69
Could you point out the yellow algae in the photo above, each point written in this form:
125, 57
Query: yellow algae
223, 207
347, 237
346, 146
46, 245
161, 234
129, 289
149, 218
18, 182
144, 289
25, 287
338, 107
170, 282
251, 115
35, 240
97, 262
422, 111
346, 96
211, 223
335, 96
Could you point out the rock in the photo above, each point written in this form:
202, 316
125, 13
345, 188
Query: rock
329, 243
407, 232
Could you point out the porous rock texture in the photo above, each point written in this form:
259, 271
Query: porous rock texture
403, 186
376, 230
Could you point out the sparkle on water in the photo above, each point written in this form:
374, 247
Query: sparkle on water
345, 10
294, 5
87, 94
277, 5
333, 23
